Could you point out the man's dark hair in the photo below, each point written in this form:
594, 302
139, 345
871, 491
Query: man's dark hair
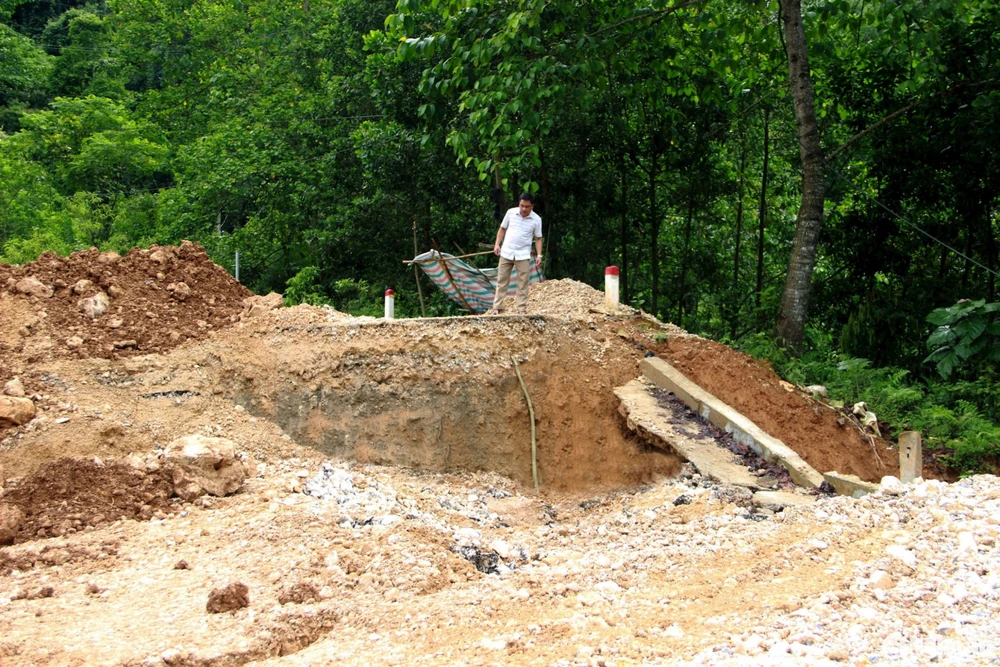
526, 196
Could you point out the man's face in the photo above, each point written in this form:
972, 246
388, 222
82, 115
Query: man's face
525, 207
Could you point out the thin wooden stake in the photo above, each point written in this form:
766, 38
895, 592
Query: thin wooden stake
531, 413
416, 272
450, 279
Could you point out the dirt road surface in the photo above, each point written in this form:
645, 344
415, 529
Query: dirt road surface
389, 515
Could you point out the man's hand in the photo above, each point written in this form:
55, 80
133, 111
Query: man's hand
538, 260
496, 248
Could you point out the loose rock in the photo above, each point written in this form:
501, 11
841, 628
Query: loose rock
33, 287
16, 410
10, 522
95, 306
14, 388
204, 465
230, 598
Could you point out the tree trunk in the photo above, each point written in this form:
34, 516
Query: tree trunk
654, 231
967, 269
791, 320
551, 243
991, 257
732, 306
685, 256
762, 214
623, 206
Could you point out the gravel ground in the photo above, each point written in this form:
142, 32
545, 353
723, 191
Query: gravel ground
931, 596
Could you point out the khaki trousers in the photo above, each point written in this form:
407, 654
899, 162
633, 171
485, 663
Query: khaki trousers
523, 267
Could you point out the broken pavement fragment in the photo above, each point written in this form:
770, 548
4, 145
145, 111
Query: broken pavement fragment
204, 465
643, 413
849, 485
16, 410
728, 419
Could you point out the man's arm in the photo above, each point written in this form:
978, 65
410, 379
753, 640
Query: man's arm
496, 246
538, 240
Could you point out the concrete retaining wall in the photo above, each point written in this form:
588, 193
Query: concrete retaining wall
721, 415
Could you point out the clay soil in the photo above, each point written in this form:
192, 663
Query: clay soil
430, 421
143, 308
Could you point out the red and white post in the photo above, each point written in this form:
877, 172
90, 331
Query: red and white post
611, 288
390, 304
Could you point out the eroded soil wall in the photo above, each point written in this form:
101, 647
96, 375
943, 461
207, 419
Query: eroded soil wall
443, 396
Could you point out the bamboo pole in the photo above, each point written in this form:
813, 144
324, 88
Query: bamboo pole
531, 414
448, 259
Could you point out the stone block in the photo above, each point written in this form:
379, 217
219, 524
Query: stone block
911, 458
16, 410
204, 465
850, 485
779, 500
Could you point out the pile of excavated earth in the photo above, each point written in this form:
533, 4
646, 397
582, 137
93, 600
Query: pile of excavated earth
194, 475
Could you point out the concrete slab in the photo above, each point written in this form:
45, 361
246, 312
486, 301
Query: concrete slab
850, 485
779, 500
643, 413
744, 431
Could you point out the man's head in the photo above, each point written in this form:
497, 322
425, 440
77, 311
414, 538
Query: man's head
526, 204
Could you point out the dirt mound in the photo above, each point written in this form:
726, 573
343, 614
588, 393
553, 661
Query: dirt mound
94, 304
808, 427
69, 495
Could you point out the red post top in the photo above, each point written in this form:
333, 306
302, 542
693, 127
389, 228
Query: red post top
611, 271
389, 292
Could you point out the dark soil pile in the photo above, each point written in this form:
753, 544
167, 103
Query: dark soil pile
752, 387
66, 496
158, 298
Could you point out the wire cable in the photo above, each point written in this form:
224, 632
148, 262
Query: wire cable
888, 210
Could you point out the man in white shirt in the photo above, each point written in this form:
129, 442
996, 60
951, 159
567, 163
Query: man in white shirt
520, 226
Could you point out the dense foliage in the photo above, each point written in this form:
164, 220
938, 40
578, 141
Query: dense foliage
328, 141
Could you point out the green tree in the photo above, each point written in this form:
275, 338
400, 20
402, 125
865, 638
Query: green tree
24, 69
84, 64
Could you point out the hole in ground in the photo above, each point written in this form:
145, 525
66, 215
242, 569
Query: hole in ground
446, 421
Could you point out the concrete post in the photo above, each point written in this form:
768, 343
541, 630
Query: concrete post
911, 461
611, 288
390, 304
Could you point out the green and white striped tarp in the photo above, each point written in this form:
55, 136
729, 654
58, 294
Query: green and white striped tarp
477, 286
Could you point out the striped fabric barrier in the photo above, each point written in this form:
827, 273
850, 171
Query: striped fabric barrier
477, 286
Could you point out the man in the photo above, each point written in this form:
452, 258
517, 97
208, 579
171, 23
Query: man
513, 245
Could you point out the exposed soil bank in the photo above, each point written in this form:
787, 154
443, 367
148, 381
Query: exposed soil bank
444, 395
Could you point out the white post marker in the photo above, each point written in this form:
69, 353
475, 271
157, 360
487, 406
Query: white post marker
611, 288
390, 304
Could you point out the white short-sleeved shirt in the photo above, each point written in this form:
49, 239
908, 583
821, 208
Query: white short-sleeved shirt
520, 233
